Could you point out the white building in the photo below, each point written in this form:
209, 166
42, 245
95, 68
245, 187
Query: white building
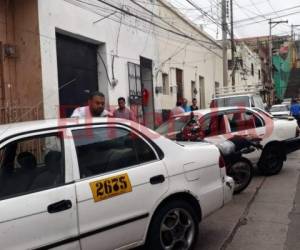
247, 69
92, 45
188, 68
148, 53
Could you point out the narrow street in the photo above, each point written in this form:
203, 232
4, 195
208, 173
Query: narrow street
125, 122
264, 216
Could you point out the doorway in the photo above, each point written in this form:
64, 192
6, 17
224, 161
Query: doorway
77, 72
202, 92
179, 83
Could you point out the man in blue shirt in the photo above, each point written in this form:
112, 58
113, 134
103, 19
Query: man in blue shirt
295, 110
185, 105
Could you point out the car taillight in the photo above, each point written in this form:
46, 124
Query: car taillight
221, 162
297, 131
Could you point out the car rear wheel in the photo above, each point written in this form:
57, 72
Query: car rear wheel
174, 227
242, 173
271, 161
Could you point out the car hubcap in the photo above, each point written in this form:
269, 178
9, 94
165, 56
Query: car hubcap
177, 230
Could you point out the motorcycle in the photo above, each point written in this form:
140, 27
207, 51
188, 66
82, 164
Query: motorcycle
237, 166
232, 151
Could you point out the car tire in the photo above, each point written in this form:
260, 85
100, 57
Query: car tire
242, 173
173, 221
271, 161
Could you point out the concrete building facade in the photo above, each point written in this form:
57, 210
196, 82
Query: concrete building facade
55, 53
246, 67
187, 68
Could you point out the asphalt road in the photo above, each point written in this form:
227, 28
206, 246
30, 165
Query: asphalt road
265, 216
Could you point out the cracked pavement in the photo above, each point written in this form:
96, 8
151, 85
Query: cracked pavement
264, 216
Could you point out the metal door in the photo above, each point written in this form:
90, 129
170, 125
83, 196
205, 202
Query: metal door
77, 72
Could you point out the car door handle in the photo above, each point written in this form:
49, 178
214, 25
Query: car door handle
59, 206
157, 179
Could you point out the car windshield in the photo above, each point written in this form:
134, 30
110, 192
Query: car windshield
173, 126
231, 101
279, 109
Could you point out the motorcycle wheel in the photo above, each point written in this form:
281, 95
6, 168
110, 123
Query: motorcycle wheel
242, 172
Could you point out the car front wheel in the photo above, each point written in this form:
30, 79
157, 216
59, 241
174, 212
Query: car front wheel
174, 226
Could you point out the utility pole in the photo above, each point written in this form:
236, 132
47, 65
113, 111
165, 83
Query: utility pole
224, 36
272, 25
293, 34
232, 44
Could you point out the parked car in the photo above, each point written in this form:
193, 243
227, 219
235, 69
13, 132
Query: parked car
280, 110
243, 100
287, 101
108, 184
217, 125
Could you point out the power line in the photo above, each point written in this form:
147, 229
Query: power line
268, 15
130, 25
159, 17
269, 2
204, 12
260, 21
157, 25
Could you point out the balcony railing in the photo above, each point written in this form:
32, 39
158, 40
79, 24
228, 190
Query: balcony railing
238, 90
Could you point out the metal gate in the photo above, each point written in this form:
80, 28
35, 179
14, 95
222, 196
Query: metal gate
77, 72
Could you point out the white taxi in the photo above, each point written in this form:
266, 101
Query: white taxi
104, 184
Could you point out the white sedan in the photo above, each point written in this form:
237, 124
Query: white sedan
280, 110
108, 184
219, 124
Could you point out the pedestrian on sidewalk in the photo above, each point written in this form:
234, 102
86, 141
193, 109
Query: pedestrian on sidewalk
122, 111
194, 105
178, 109
95, 107
185, 105
295, 110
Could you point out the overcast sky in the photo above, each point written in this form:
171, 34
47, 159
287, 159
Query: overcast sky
245, 9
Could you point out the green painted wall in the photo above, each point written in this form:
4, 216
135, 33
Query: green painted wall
282, 73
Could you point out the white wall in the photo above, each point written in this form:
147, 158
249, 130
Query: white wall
189, 56
78, 21
248, 57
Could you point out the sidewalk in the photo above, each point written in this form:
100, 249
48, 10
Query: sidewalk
293, 236
264, 216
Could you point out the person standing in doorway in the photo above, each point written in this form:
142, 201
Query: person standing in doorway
95, 107
194, 105
122, 111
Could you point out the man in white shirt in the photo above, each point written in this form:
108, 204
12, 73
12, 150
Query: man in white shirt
178, 109
95, 108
